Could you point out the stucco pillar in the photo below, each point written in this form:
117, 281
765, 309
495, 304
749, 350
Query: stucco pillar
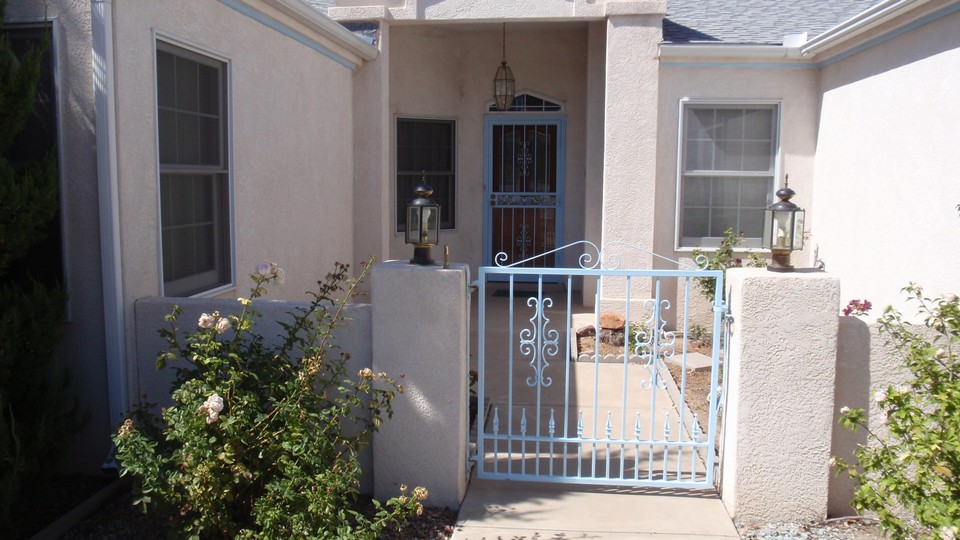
371, 154
593, 194
420, 328
779, 414
630, 131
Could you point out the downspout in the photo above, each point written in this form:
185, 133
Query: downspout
108, 188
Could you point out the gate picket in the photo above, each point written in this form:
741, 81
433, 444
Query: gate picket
535, 379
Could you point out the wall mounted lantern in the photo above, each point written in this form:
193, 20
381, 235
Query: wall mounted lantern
504, 85
783, 229
423, 225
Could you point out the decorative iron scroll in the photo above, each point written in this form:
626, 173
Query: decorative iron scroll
524, 240
507, 199
524, 158
654, 342
549, 341
594, 258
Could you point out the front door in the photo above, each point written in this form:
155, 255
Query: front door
523, 183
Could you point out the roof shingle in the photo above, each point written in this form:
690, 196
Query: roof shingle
754, 22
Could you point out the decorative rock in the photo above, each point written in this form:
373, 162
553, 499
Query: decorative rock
612, 337
611, 321
586, 331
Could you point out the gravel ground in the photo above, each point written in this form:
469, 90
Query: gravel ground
119, 520
838, 529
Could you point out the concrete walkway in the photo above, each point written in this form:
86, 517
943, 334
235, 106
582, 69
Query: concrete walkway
503, 510
510, 510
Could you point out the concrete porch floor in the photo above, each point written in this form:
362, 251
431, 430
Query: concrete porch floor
508, 510
503, 510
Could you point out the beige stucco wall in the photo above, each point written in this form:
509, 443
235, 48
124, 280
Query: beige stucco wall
629, 144
372, 207
152, 386
290, 141
447, 72
886, 165
82, 348
780, 387
425, 442
795, 88
865, 363
469, 9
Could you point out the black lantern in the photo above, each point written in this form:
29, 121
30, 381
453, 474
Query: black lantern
783, 230
504, 85
423, 225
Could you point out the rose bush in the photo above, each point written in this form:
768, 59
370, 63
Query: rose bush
262, 441
908, 473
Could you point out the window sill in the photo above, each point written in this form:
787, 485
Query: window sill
218, 291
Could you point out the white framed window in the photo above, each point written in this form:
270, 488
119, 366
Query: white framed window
194, 175
727, 166
427, 148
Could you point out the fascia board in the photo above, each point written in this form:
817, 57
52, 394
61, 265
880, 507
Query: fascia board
321, 25
719, 50
859, 24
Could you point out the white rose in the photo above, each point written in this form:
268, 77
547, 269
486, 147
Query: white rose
880, 396
206, 321
281, 275
223, 325
264, 269
214, 403
844, 409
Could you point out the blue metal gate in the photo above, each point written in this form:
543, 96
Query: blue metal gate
559, 414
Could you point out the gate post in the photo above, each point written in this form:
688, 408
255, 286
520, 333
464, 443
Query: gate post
779, 406
420, 320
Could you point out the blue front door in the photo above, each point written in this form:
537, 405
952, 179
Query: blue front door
523, 187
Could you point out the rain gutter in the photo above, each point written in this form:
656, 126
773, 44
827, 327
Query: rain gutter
104, 103
863, 22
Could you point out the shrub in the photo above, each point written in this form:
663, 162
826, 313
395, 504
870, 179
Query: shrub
38, 416
262, 441
910, 468
722, 259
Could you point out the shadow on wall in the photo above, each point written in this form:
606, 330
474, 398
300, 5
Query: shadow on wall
154, 386
852, 389
927, 41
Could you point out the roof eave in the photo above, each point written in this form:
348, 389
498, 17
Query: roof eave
727, 50
325, 26
860, 23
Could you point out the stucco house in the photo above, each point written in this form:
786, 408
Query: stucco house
200, 137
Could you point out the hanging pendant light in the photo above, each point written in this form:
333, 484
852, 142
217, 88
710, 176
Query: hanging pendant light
504, 83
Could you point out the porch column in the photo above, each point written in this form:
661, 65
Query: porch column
371, 154
593, 193
634, 30
420, 329
778, 417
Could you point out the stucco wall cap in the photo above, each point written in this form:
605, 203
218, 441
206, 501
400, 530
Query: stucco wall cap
359, 13
763, 273
632, 7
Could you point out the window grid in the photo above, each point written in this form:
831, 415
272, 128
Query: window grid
726, 181
194, 180
426, 151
